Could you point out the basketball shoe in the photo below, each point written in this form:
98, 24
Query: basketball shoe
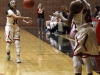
8, 55
18, 58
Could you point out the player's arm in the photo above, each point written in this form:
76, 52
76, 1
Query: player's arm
70, 16
20, 17
72, 9
26, 20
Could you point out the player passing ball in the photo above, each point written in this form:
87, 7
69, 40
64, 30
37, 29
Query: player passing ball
12, 30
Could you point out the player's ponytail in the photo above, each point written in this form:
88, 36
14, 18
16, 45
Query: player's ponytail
10, 6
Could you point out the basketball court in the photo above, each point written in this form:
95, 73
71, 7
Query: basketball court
44, 54
40, 55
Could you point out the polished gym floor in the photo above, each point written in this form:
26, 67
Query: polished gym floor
47, 54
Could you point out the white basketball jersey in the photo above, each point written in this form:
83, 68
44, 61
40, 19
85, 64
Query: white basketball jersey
11, 20
84, 16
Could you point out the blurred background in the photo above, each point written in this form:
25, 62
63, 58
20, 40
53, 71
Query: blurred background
50, 7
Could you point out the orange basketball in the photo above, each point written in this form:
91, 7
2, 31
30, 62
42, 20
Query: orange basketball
28, 4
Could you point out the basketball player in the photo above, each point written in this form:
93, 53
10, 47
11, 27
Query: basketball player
12, 29
86, 44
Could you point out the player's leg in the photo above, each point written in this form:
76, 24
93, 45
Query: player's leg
8, 45
77, 61
9, 40
17, 43
88, 65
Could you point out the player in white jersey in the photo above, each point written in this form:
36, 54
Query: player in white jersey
86, 44
12, 30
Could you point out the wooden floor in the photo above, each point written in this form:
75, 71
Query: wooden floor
37, 56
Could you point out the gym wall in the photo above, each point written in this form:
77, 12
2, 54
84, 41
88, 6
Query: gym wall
50, 7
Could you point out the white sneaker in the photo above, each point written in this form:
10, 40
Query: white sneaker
8, 55
18, 58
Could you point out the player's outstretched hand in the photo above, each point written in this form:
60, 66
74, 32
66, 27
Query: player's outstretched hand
28, 18
29, 22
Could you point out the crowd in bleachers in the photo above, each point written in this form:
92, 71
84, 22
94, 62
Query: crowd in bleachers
97, 10
56, 25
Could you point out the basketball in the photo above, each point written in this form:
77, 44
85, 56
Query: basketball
28, 4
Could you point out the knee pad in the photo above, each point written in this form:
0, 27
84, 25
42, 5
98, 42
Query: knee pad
88, 64
17, 44
8, 46
77, 61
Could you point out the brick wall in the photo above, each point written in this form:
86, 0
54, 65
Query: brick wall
50, 7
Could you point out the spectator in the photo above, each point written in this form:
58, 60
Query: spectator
97, 8
40, 18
